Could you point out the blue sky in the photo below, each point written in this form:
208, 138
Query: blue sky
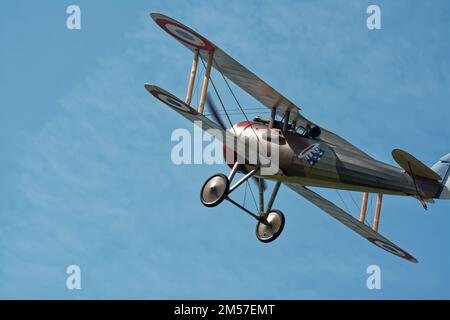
85, 151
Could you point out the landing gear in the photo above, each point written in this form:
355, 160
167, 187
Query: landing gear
215, 190
270, 221
267, 232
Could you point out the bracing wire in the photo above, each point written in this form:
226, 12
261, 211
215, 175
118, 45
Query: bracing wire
342, 199
253, 108
196, 89
253, 196
245, 194
228, 117
235, 113
356, 204
370, 209
232, 92
218, 97
237, 101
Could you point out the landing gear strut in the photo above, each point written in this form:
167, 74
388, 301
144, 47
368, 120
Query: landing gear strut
270, 221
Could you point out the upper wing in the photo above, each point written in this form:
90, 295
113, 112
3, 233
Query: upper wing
342, 216
244, 78
232, 69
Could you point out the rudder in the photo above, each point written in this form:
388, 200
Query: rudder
442, 168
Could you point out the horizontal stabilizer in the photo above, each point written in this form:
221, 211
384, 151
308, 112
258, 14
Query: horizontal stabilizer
413, 166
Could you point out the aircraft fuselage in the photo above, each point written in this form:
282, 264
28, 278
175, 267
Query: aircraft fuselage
314, 162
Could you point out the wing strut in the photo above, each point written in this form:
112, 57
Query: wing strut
376, 219
192, 78
362, 217
205, 82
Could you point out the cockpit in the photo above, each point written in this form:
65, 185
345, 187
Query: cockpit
306, 131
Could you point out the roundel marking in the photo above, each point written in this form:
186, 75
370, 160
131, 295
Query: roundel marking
390, 248
184, 34
173, 102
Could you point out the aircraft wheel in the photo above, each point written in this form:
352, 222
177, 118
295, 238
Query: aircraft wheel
214, 190
268, 233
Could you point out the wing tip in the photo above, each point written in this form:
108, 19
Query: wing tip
150, 87
155, 15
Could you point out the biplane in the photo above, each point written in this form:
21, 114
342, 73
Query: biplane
308, 155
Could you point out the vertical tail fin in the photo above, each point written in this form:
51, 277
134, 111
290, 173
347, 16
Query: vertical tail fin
442, 168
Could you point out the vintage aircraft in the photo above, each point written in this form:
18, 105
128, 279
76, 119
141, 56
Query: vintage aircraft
308, 155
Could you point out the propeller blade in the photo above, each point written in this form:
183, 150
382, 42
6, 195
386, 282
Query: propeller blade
214, 113
213, 109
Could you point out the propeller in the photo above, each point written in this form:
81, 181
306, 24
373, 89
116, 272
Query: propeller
212, 108
215, 114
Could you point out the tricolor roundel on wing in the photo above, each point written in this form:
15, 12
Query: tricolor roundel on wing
170, 100
392, 249
182, 33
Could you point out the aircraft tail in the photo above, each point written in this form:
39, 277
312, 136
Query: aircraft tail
442, 168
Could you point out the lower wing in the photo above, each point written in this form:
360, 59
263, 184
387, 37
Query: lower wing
347, 219
248, 152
